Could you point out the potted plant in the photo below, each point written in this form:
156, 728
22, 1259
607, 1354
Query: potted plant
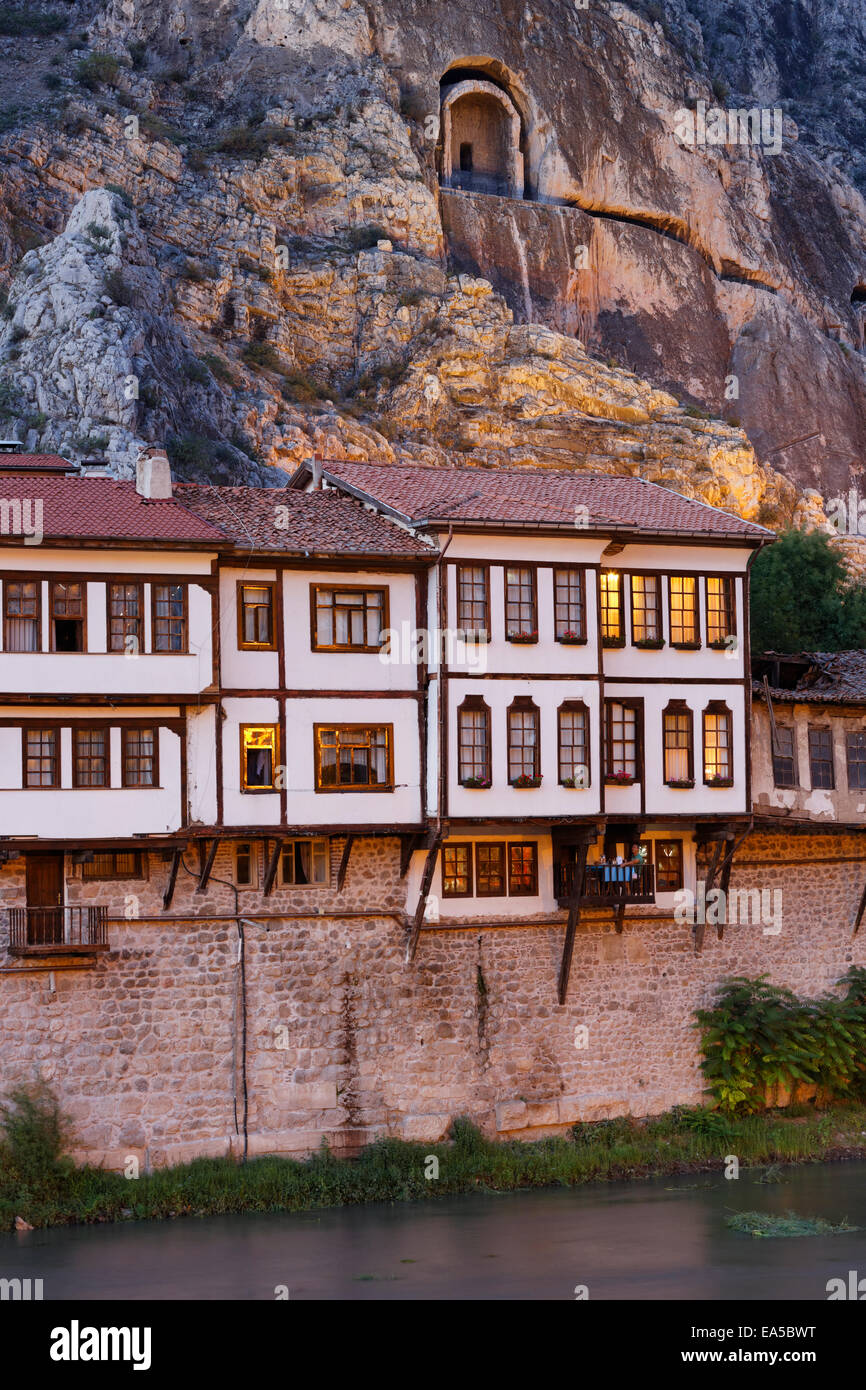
650, 644
571, 637
526, 780
529, 635
576, 782
719, 781
475, 782
621, 778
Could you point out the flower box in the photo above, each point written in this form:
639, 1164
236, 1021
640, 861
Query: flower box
686, 646
573, 783
650, 644
620, 779
682, 783
476, 783
613, 641
525, 781
719, 781
571, 639
723, 644
522, 636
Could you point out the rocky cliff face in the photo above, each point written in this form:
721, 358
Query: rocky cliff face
272, 269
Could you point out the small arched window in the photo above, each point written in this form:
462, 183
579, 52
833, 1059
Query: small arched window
473, 743
524, 745
678, 742
718, 745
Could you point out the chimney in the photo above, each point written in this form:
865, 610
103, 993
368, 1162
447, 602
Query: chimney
317, 473
153, 474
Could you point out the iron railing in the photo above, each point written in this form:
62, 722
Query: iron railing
57, 929
604, 883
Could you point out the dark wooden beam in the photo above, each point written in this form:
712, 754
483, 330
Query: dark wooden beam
724, 882
271, 871
619, 915
172, 880
344, 862
861, 909
573, 920
700, 927
206, 867
408, 846
426, 880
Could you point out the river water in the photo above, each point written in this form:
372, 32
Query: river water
660, 1239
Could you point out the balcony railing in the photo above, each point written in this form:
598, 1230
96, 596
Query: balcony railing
606, 883
57, 930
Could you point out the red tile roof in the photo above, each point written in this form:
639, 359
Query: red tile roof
535, 496
100, 509
30, 463
314, 522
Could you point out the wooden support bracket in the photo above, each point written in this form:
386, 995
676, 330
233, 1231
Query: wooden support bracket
206, 867
172, 880
573, 920
344, 862
426, 880
271, 871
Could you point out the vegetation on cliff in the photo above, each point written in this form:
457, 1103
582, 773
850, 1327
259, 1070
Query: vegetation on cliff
803, 599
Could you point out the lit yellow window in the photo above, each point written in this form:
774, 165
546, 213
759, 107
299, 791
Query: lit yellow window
258, 757
611, 606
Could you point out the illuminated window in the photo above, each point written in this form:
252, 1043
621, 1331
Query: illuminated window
353, 757
569, 610
255, 615
124, 617
304, 862
490, 870
721, 610
456, 871
646, 608
678, 740
683, 594
351, 620
258, 757
612, 630
669, 866
523, 870
717, 743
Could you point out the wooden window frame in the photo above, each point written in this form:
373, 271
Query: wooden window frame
373, 789
292, 844
350, 647
574, 707
729, 586
273, 789
271, 586
647, 643
137, 870
579, 639
54, 582
849, 735
607, 738
475, 634
603, 574
524, 704
523, 844
717, 707
499, 845
821, 730
678, 708
775, 757
656, 848
125, 731
77, 731
7, 618
163, 584
125, 584
54, 784
452, 848
474, 704
522, 637
694, 644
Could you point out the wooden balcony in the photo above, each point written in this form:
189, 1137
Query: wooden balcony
606, 885
56, 931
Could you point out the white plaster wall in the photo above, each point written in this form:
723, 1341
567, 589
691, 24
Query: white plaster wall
248, 808
310, 670
201, 765
243, 670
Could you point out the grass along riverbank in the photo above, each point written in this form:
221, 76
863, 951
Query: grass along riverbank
42, 1189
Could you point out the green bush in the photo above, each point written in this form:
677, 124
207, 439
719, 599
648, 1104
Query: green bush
33, 1133
15, 21
802, 598
759, 1036
97, 70
257, 354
